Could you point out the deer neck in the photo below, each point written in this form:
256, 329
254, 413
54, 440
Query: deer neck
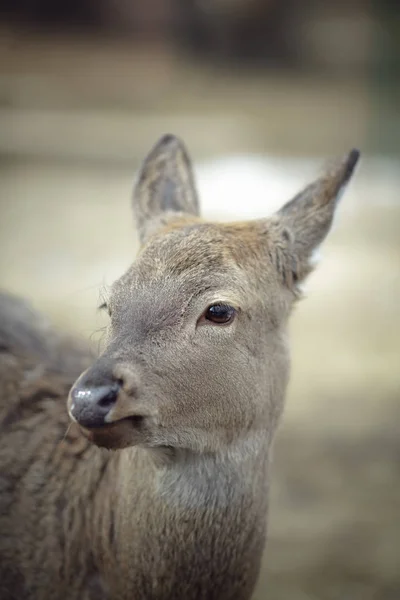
197, 516
190, 480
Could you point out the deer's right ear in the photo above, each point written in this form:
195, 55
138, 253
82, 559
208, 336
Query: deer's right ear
165, 186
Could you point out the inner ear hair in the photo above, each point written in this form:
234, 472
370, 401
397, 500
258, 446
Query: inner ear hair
165, 186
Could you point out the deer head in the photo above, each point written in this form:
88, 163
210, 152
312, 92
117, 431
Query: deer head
196, 354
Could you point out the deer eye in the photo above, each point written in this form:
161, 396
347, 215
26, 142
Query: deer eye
220, 314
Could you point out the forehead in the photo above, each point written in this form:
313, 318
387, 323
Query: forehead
184, 262
194, 248
208, 255
188, 261
172, 269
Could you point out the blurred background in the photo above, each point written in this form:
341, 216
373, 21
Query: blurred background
263, 92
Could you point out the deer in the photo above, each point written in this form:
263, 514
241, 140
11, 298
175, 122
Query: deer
143, 473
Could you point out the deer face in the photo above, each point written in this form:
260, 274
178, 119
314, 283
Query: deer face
196, 353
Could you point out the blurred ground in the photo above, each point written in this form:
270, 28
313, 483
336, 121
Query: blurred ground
73, 129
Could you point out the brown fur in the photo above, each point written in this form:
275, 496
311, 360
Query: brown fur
179, 509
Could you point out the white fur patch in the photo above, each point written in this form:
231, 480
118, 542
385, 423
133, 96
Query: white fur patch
315, 258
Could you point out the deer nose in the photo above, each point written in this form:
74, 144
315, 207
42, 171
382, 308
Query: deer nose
89, 404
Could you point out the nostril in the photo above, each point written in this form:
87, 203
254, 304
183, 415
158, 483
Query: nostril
107, 395
90, 405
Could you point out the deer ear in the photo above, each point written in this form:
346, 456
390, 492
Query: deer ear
165, 186
305, 221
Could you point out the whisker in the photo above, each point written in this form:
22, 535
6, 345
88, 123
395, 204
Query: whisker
103, 295
66, 433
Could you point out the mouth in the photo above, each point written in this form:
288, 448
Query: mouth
117, 435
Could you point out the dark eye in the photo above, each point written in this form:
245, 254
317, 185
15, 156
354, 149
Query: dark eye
220, 313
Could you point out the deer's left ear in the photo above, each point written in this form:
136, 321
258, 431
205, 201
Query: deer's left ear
303, 223
165, 186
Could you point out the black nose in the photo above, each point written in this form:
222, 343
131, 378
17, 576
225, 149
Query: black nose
90, 404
